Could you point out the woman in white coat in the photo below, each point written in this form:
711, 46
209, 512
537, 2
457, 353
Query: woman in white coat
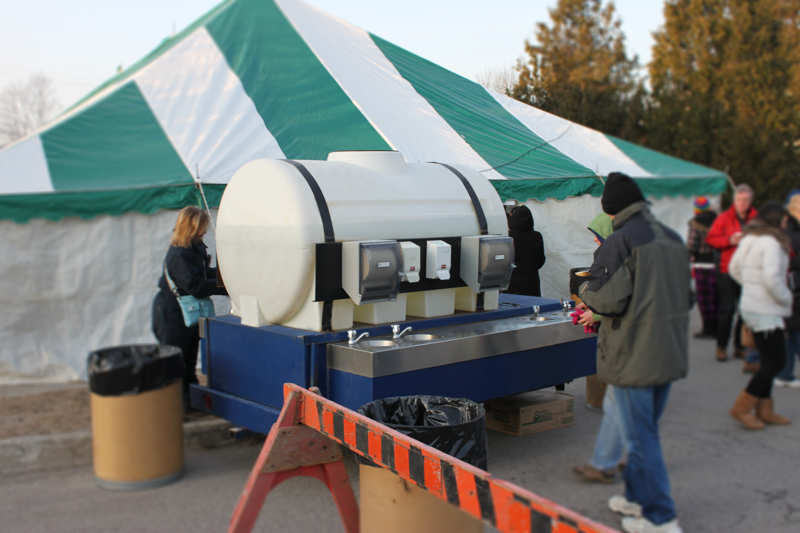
760, 266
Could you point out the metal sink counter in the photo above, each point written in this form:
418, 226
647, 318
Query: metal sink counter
452, 344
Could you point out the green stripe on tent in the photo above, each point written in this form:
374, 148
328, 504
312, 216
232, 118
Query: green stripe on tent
494, 133
560, 188
116, 143
54, 206
301, 104
663, 165
546, 188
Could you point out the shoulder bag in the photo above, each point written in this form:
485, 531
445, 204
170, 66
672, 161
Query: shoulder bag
191, 308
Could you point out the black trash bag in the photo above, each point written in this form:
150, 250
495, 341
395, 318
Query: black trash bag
133, 369
455, 426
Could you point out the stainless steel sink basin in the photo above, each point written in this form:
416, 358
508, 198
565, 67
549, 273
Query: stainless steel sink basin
377, 343
420, 337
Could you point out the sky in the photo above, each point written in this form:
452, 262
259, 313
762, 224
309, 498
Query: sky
79, 44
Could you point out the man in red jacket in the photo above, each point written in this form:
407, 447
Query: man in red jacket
724, 235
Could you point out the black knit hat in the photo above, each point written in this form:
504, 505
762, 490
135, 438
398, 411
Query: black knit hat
620, 192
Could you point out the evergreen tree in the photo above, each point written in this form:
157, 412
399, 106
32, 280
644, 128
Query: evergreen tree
578, 69
725, 82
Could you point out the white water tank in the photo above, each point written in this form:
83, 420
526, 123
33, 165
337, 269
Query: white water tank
269, 223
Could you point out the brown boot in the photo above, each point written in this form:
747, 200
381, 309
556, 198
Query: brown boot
742, 411
721, 355
738, 353
765, 412
750, 368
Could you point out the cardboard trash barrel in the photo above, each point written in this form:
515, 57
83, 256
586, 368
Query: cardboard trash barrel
137, 415
389, 504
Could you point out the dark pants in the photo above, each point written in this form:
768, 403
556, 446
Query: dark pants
705, 281
168, 327
771, 347
729, 292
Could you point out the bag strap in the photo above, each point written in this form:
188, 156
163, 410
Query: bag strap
170, 283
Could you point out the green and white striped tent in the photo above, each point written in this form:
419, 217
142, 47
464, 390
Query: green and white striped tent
82, 202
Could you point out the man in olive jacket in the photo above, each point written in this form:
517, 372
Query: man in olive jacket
640, 281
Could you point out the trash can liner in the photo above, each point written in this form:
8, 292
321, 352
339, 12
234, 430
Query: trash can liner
133, 369
455, 426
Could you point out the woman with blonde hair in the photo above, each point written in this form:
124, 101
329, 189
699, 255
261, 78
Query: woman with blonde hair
187, 264
759, 265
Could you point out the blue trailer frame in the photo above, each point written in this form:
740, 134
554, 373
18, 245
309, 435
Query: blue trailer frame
247, 366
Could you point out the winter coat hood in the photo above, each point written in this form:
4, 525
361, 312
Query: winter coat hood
520, 219
601, 226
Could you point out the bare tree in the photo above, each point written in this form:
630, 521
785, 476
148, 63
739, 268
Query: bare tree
24, 106
498, 79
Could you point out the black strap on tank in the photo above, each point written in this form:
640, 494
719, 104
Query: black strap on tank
476, 204
322, 205
327, 228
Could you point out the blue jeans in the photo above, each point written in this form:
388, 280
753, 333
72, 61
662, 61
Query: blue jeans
792, 350
646, 481
609, 447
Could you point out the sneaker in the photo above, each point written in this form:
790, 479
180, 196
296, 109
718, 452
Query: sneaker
591, 474
643, 525
793, 383
620, 505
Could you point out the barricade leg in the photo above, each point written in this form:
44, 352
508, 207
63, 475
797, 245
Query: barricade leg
292, 450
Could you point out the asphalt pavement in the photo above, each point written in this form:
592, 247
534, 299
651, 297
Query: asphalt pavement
724, 478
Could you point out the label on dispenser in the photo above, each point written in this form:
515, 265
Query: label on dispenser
499, 257
384, 264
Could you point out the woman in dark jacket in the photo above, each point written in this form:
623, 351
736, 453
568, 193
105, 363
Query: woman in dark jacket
187, 262
528, 253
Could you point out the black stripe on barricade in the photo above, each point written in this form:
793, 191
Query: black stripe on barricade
569, 521
540, 522
485, 500
476, 204
387, 451
362, 439
416, 466
327, 228
338, 425
320, 410
450, 484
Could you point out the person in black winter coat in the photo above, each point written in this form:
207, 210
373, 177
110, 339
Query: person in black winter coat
528, 253
187, 262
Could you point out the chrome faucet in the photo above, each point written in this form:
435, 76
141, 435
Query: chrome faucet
566, 305
396, 333
351, 336
536, 310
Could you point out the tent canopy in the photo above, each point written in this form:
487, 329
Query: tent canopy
282, 79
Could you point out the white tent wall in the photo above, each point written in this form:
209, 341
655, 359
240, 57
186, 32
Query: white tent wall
75, 285
567, 242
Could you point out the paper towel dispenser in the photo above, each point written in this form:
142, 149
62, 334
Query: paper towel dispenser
371, 270
487, 261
